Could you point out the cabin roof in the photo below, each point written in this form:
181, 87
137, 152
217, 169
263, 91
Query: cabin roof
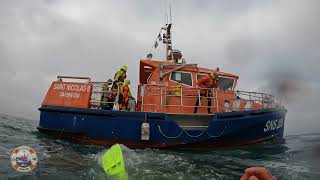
149, 66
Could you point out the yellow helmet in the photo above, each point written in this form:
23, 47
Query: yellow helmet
124, 67
214, 75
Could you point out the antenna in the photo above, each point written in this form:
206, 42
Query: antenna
165, 12
168, 34
170, 14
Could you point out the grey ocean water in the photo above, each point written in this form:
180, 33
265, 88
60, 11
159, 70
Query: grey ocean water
295, 157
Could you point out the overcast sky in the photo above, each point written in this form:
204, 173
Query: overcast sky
270, 44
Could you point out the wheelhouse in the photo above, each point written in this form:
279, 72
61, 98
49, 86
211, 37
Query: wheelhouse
171, 87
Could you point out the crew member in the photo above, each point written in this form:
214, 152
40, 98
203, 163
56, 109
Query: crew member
107, 95
206, 83
125, 94
118, 80
120, 75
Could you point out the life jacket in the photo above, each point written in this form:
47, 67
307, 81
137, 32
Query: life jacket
122, 78
177, 90
125, 91
206, 82
119, 76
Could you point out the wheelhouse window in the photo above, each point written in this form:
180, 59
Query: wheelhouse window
199, 76
223, 84
182, 77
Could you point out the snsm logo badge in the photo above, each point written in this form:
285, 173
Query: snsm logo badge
24, 159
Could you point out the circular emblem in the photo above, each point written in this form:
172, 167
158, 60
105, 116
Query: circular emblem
24, 159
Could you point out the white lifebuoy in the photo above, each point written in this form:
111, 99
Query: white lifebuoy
236, 104
247, 106
226, 106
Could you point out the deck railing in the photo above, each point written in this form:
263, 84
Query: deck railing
219, 98
98, 95
60, 78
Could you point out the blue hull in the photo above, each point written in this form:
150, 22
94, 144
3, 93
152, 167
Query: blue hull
104, 127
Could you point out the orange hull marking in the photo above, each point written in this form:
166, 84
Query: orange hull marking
68, 94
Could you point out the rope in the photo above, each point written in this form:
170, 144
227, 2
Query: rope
192, 136
169, 137
213, 136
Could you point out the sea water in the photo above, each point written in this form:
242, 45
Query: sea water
294, 157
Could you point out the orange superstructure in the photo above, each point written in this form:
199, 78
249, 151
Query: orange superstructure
171, 87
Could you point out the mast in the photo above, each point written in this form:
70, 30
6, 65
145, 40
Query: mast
167, 41
167, 36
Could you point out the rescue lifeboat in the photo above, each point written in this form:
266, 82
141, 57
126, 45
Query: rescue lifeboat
163, 115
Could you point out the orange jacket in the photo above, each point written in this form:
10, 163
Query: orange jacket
126, 92
206, 82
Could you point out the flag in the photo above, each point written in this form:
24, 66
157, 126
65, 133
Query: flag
159, 37
156, 44
149, 56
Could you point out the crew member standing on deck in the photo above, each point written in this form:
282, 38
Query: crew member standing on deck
120, 75
118, 79
207, 83
107, 95
125, 94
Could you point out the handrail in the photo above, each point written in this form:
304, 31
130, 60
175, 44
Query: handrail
174, 69
102, 94
73, 77
263, 99
235, 91
102, 102
183, 93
